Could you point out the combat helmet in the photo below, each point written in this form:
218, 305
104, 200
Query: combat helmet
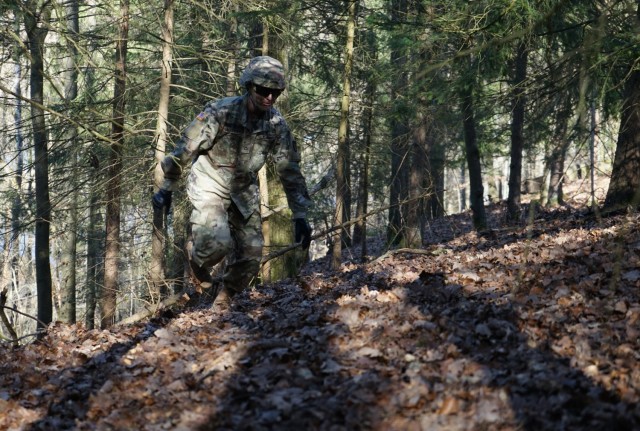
264, 71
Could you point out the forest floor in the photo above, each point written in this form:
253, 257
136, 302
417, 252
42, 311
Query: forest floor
528, 328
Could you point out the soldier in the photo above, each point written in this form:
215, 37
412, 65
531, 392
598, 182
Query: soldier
226, 144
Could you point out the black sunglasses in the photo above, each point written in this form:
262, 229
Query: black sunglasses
264, 91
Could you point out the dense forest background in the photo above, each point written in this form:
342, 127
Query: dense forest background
405, 111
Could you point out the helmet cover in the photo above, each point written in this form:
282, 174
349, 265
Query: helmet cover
264, 71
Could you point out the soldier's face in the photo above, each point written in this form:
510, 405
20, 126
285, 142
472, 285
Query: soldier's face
263, 98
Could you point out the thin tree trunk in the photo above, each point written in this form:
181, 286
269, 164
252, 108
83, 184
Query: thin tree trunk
68, 294
256, 37
16, 204
343, 141
435, 201
7, 241
517, 127
413, 237
261, 34
360, 228
95, 237
592, 155
346, 237
112, 248
233, 42
36, 24
265, 270
157, 268
562, 138
476, 190
565, 123
94, 241
554, 195
399, 137
462, 194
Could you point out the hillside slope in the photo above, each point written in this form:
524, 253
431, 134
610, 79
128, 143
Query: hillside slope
535, 328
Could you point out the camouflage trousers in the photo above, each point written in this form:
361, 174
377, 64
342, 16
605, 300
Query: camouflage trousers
219, 230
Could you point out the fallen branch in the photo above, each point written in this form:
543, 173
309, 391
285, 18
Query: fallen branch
35, 335
325, 232
391, 253
5, 319
346, 224
3, 316
178, 299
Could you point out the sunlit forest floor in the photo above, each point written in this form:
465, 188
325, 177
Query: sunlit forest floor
529, 328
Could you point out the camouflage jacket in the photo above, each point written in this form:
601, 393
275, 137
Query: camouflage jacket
236, 147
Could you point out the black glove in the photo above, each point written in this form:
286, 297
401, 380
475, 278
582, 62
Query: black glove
162, 199
302, 232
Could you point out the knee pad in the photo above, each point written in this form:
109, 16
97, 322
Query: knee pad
210, 244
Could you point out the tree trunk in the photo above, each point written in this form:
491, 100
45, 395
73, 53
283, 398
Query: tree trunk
260, 46
346, 236
360, 228
179, 263
95, 235
94, 249
68, 294
6, 237
69, 237
476, 190
435, 201
624, 188
554, 195
263, 180
399, 135
517, 126
343, 141
16, 204
232, 38
462, 193
157, 268
555, 163
112, 245
257, 41
278, 225
413, 237
36, 24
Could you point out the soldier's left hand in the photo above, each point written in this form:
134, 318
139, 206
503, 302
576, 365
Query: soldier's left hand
162, 200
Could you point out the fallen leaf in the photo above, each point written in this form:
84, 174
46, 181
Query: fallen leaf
450, 406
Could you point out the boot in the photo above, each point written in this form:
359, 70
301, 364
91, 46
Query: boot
200, 276
223, 299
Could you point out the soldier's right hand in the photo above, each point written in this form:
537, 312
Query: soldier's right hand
162, 199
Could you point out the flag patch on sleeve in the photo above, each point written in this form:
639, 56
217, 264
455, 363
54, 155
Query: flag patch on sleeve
201, 116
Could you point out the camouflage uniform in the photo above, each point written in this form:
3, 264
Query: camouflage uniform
227, 147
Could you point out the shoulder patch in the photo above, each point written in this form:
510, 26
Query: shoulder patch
201, 116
